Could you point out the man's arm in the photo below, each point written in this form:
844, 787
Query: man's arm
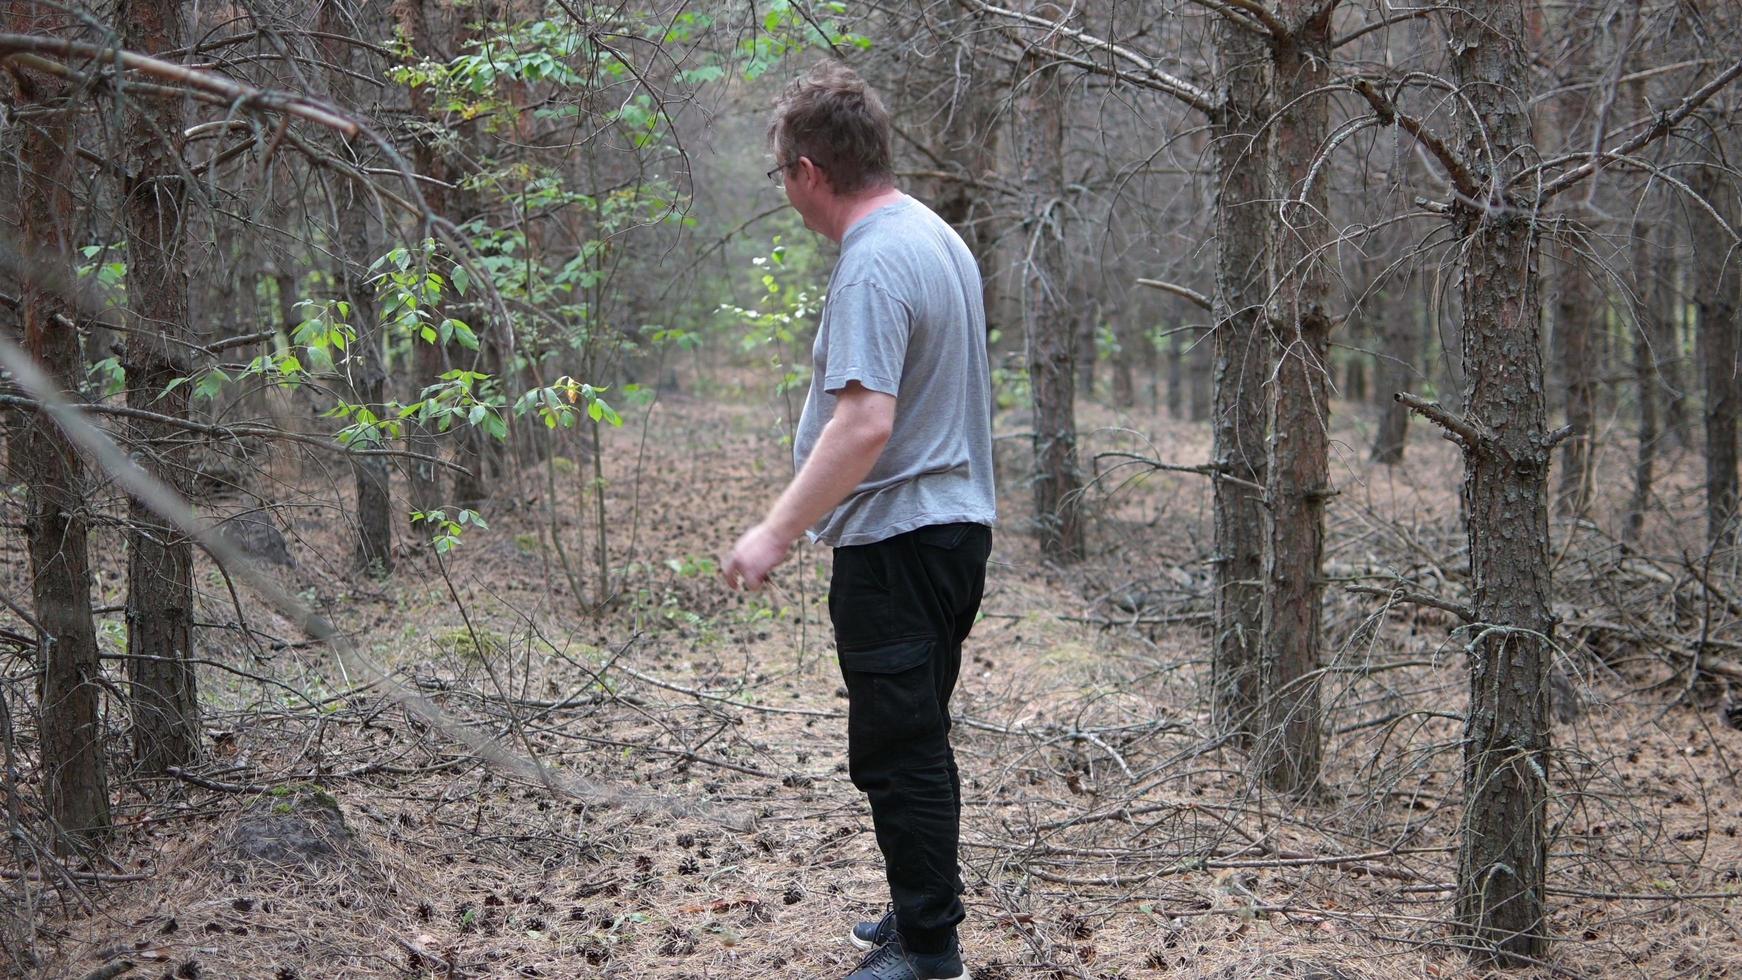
845, 451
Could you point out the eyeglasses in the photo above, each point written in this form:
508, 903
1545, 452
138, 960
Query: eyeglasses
777, 176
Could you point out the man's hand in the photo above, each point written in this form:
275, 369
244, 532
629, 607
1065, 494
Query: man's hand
850, 443
754, 556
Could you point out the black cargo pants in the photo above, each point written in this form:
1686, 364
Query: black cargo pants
901, 608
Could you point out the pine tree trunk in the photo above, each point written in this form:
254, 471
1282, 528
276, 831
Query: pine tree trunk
969, 111
363, 359
1085, 315
1715, 296
56, 522
1666, 343
160, 597
1396, 368
1242, 363
424, 487
1355, 378
1645, 375
1176, 377
1047, 322
1500, 898
1127, 338
1299, 456
1200, 386
1576, 313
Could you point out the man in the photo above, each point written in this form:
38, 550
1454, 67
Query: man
894, 455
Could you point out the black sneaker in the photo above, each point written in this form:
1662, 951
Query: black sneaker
870, 935
892, 962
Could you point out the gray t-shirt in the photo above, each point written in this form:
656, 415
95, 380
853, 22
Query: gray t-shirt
905, 316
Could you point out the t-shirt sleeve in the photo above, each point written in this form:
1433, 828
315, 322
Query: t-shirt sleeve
867, 340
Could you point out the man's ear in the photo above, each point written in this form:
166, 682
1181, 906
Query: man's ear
813, 172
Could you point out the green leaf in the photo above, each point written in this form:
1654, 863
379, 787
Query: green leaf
462, 279
464, 335
210, 385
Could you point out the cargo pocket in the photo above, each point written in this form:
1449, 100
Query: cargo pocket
891, 658
892, 706
861, 604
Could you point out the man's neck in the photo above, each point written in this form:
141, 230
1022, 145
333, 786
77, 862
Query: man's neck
854, 209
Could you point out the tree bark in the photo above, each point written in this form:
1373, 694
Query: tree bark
363, 360
1715, 297
1085, 314
1299, 447
1576, 313
424, 487
968, 143
1645, 310
1176, 377
1047, 323
1500, 898
160, 596
1666, 343
1355, 378
1395, 371
1242, 362
75, 784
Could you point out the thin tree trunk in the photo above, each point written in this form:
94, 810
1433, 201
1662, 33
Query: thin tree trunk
1355, 378
424, 487
75, 784
1242, 362
1085, 315
1576, 316
363, 360
1447, 327
1715, 295
968, 139
1176, 377
1666, 343
1046, 320
1396, 369
1645, 310
1500, 898
1200, 386
160, 596
1299, 448
1128, 339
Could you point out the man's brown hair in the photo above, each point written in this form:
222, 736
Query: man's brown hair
830, 115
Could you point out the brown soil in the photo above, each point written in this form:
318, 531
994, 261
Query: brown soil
715, 834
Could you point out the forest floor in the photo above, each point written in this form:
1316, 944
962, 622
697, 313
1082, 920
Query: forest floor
699, 822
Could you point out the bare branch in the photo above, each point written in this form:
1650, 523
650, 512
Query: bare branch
1211, 470
1148, 74
1465, 182
1659, 128
1237, 17
1459, 430
13, 45
1361, 32
234, 432
1198, 299
1400, 594
1258, 12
